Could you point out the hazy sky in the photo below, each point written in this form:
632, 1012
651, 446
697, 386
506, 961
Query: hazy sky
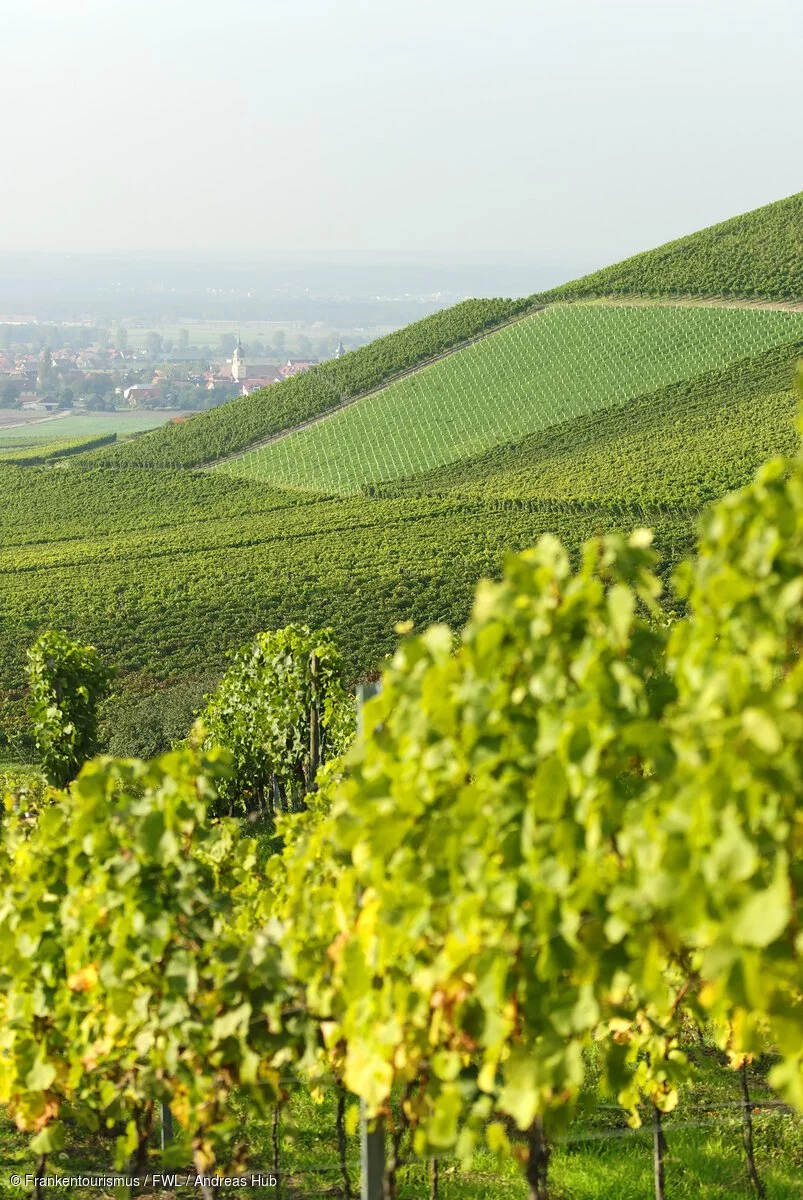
495, 130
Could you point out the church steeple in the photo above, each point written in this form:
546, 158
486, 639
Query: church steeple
341, 349
238, 371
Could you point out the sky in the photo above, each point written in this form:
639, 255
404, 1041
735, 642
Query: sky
461, 131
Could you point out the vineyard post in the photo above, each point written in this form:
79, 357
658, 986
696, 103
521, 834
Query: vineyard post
372, 1158
658, 1152
747, 1133
167, 1126
372, 1140
314, 723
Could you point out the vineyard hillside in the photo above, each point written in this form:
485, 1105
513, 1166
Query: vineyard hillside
167, 571
682, 445
756, 255
569, 361
461, 438
242, 422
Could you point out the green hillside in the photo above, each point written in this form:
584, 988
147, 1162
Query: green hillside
166, 571
681, 445
759, 254
568, 420
243, 421
562, 363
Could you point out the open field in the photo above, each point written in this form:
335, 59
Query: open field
561, 364
79, 425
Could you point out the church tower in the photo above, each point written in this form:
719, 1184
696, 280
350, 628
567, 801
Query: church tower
341, 349
238, 371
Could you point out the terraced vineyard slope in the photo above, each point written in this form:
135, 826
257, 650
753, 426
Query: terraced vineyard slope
563, 363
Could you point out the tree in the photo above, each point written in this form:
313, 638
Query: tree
183, 339
9, 395
67, 683
45, 371
279, 342
227, 343
99, 383
304, 346
153, 344
121, 338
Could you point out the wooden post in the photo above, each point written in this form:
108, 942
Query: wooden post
342, 1147
747, 1132
538, 1155
276, 1138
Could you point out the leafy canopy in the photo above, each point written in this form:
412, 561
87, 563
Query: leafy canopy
67, 683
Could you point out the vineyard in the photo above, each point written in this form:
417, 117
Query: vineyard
47, 451
232, 427
567, 362
166, 572
550, 894
685, 444
79, 426
365, 902
759, 254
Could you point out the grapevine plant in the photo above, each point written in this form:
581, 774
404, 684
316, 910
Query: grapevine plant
281, 711
575, 832
134, 966
579, 830
67, 682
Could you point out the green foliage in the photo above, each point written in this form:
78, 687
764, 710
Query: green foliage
281, 712
722, 851
567, 362
753, 255
143, 722
42, 452
580, 829
67, 682
552, 846
246, 420
132, 966
683, 445
165, 572
24, 788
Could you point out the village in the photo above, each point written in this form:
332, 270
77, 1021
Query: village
110, 377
